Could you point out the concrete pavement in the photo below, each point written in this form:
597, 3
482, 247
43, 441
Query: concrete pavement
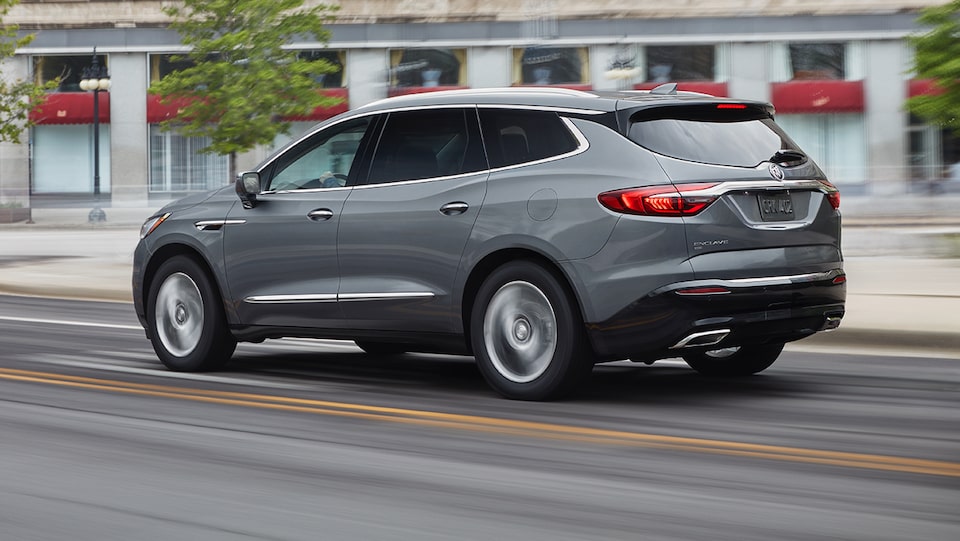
903, 269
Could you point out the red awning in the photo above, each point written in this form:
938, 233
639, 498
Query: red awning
158, 112
919, 87
823, 96
703, 87
404, 90
71, 108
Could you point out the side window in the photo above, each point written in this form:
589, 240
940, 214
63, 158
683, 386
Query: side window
322, 161
427, 144
516, 136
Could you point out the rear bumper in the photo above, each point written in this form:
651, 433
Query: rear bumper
721, 313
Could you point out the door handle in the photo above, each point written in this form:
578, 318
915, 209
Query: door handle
452, 209
320, 215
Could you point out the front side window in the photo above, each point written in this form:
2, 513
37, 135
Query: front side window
706, 134
513, 137
323, 160
681, 63
427, 144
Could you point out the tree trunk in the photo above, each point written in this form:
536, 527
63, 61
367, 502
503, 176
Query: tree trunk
233, 167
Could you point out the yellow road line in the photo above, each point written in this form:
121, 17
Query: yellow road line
497, 426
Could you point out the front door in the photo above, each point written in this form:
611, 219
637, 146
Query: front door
281, 255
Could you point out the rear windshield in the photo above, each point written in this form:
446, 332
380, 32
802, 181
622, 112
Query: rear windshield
736, 137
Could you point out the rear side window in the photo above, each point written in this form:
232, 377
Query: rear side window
512, 137
735, 137
427, 144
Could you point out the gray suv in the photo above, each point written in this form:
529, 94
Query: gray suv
539, 230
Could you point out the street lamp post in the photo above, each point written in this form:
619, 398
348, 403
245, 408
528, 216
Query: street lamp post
96, 79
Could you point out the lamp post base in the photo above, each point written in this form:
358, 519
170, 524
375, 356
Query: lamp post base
97, 215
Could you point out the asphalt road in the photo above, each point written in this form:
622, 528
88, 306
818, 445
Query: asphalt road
308, 440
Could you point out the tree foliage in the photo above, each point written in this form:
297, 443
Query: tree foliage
938, 58
17, 98
242, 83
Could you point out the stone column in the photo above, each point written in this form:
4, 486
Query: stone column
886, 122
489, 67
15, 157
749, 72
129, 134
367, 75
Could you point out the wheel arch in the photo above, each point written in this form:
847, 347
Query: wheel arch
491, 262
169, 251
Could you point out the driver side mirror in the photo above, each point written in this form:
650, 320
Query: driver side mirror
248, 186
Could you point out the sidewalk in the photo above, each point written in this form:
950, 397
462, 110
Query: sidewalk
903, 269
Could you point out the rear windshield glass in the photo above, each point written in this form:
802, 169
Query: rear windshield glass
705, 134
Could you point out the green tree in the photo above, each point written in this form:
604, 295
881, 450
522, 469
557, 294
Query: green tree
17, 98
242, 83
938, 58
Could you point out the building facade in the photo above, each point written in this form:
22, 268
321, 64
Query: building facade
837, 73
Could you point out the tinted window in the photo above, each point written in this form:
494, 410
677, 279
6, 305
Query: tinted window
741, 138
426, 144
322, 161
516, 136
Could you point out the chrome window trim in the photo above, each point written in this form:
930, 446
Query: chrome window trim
420, 180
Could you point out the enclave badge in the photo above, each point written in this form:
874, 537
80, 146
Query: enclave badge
775, 171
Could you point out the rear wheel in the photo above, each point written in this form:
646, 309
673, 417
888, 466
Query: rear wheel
527, 334
735, 361
380, 348
188, 329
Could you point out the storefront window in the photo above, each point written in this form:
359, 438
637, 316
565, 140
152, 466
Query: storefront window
837, 142
551, 66
426, 68
68, 68
63, 159
681, 63
817, 61
162, 65
177, 165
934, 158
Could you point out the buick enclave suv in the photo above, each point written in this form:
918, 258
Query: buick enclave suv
539, 230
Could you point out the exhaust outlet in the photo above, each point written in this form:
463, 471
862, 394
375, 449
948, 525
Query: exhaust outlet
701, 339
831, 323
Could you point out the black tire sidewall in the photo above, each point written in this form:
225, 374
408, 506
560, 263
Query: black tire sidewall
216, 344
749, 360
569, 364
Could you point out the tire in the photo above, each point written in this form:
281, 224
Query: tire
188, 328
732, 362
380, 348
527, 335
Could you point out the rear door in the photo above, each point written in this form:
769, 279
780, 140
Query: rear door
773, 210
403, 231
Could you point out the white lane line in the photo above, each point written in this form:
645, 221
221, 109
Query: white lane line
877, 351
163, 373
71, 323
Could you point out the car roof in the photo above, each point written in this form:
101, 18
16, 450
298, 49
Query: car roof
551, 97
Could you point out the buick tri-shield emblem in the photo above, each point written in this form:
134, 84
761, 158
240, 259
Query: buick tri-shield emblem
775, 171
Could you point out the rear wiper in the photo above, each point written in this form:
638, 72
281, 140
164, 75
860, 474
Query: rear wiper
788, 157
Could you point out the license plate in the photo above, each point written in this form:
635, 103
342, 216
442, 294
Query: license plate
776, 207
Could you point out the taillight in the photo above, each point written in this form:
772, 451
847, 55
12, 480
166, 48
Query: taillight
832, 193
666, 200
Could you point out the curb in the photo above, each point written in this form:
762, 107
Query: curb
917, 341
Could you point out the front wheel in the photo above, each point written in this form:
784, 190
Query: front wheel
188, 328
527, 334
735, 361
